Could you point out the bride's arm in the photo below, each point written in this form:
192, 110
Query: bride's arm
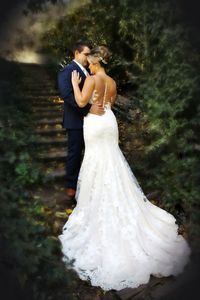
82, 97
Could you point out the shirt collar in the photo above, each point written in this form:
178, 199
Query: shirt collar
81, 67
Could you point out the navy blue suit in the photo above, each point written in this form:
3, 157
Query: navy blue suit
73, 122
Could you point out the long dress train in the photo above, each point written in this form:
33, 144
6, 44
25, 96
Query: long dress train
115, 237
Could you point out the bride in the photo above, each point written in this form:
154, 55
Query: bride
115, 237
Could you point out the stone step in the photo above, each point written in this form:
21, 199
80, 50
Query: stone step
53, 156
47, 115
39, 109
49, 121
50, 131
36, 83
33, 74
51, 141
46, 102
41, 97
39, 87
55, 174
47, 107
45, 93
42, 92
143, 292
36, 78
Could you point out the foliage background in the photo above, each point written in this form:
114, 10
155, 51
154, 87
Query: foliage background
155, 61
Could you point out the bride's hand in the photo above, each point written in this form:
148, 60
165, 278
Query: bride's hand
76, 78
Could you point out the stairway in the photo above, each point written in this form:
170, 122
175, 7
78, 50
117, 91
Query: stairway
47, 113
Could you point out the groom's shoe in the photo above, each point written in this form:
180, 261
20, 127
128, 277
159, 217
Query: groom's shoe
70, 193
69, 198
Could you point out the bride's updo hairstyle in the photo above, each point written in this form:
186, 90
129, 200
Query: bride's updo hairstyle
99, 54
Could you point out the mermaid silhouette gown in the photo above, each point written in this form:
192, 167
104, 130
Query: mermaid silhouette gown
115, 237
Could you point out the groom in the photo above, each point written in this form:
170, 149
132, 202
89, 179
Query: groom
73, 115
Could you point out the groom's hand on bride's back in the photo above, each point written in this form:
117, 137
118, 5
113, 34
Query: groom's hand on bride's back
97, 109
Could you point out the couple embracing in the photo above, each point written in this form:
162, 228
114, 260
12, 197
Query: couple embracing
115, 237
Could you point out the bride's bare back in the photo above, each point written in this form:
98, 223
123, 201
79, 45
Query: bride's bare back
99, 87
105, 88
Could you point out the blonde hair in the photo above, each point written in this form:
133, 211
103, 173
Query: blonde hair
99, 54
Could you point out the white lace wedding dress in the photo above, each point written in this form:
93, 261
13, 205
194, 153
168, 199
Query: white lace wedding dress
115, 237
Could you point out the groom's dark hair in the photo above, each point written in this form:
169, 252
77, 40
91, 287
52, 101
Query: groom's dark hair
79, 46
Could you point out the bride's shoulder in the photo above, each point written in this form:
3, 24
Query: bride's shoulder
90, 78
112, 81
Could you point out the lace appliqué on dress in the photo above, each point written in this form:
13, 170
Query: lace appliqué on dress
115, 237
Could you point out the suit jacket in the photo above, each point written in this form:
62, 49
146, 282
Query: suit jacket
73, 114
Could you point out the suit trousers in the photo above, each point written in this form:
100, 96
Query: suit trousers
74, 156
